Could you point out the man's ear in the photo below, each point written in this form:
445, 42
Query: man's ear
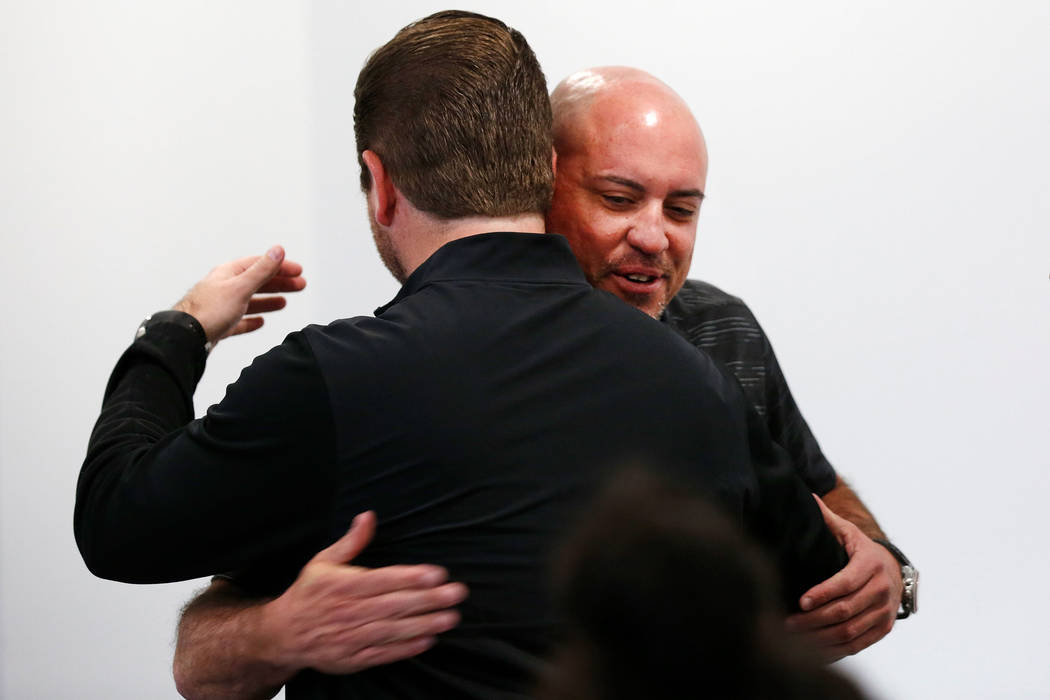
383, 194
554, 161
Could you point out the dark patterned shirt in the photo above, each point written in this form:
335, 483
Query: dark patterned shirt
721, 325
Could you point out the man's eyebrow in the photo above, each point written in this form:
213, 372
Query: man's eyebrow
637, 187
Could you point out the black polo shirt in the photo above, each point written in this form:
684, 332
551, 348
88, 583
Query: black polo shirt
475, 414
724, 327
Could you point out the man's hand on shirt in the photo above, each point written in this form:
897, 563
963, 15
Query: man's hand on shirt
857, 606
338, 618
221, 300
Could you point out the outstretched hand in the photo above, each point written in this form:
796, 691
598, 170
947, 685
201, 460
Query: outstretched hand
222, 299
857, 606
338, 618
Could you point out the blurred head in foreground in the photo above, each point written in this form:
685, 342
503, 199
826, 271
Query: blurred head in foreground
664, 598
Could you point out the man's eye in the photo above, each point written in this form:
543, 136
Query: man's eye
681, 213
616, 200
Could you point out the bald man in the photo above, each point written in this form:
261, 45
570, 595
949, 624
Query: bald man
632, 169
631, 174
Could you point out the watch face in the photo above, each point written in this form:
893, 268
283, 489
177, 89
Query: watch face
910, 599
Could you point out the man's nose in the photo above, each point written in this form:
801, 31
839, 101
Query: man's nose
648, 233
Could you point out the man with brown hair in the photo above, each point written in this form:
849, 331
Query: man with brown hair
471, 416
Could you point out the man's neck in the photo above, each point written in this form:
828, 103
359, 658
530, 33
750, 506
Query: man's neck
433, 233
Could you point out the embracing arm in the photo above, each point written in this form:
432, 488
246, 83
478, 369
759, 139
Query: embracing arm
154, 487
336, 618
222, 648
858, 605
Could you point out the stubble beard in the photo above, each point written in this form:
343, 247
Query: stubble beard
388, 253
642, 302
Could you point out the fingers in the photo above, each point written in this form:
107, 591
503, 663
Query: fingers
262, 305
343, 550
290, 268
870, 566
269, 273
388, 653
265, 273
220, 300
850, 579
287, 268
246, 325
851, 636
262, 269
840, 610
402, 604
282, 284
373, 582
399, 630
257, 305
381, 642
324, 620
857, 572
846, 617
874, 634
288, 279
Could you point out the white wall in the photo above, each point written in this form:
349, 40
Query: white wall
142, 143
878, 193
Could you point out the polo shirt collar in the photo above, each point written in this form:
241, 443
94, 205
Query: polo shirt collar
496, 257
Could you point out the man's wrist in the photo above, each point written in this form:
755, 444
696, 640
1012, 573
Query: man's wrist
175, 317
268, 641
909, 579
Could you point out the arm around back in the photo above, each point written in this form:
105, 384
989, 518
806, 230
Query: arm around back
336, 618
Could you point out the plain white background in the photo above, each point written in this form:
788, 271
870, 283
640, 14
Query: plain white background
878, 193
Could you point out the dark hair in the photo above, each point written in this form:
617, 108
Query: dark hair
662, 592
456, 107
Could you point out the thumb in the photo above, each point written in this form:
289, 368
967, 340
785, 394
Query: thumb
347, 547
263, 269
838, 525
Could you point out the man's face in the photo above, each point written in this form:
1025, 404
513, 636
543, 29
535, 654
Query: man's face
627, 196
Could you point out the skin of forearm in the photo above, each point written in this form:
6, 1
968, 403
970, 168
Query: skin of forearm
844, 502
219, 652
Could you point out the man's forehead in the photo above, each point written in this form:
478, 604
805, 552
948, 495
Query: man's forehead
654, 160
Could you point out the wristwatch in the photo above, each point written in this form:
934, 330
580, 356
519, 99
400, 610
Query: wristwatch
179, 318
910, 577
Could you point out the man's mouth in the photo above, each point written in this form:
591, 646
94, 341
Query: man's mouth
638, 276
643, 284
642, 279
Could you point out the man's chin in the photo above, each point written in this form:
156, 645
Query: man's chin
650, 303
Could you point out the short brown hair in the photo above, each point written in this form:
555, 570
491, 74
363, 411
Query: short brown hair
456, 107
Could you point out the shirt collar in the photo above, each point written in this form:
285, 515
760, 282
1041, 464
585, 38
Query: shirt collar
496, 257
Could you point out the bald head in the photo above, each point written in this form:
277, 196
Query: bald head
633, 96
632, 167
